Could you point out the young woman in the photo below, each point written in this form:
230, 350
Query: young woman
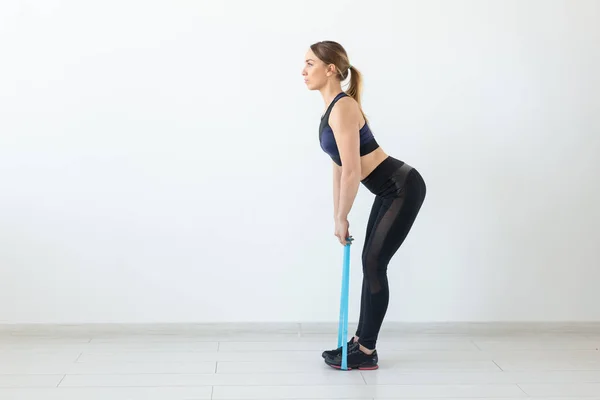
399, 190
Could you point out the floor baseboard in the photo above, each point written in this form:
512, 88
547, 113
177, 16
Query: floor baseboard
303, 328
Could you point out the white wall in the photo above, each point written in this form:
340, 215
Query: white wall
137, 184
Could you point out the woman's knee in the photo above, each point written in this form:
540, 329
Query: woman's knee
374, 271
369, 263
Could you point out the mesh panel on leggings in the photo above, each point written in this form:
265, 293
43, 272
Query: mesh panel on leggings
374, 261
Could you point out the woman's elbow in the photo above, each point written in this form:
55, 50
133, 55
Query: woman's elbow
351, 172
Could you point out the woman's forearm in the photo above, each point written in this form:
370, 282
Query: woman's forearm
349, 184
337, 174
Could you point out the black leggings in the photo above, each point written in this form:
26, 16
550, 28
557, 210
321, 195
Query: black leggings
399, 193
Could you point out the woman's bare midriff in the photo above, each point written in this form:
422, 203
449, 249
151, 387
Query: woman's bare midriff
370, 161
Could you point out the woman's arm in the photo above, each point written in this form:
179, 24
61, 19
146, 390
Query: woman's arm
337, 174
345, 123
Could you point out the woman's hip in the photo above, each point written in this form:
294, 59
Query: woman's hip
392, 177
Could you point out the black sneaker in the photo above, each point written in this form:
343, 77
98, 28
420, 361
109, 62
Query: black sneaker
335, 352
356, 360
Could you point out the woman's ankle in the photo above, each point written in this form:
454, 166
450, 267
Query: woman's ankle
365, 350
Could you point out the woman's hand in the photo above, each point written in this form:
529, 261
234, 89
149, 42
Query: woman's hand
341, 230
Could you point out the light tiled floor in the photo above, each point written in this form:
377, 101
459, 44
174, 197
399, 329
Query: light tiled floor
284, 362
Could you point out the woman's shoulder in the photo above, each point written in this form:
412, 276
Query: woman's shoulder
346, 107
346, 104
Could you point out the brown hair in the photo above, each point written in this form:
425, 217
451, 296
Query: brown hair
331, 52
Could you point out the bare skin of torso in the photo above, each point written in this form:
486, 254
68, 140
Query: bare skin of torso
370, 161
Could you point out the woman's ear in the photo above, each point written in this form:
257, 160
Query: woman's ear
330, 69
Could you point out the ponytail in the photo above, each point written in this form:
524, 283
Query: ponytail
355, 88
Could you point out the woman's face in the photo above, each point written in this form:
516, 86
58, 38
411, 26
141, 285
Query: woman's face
315, 71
